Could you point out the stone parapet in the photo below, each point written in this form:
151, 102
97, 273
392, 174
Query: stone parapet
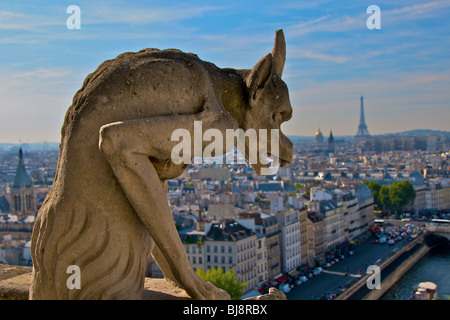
15, 284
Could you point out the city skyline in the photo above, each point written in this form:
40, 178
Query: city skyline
333, 58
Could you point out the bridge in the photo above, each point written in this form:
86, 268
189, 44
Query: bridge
437, 234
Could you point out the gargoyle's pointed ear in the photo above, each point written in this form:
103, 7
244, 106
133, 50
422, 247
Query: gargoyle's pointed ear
278, 53
259, 74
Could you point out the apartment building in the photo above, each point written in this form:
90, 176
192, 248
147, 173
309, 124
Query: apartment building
315, 238
268, 225
366, 207
335, 215
332, 215
303, 216
229, 245
438, 194
289, 222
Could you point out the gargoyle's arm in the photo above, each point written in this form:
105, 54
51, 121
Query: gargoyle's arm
128, 146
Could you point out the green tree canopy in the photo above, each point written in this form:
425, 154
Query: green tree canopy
384, 198
395, 197
375, 188
224, 280
401, 193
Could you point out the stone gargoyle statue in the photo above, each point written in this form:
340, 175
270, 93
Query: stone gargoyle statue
107, 209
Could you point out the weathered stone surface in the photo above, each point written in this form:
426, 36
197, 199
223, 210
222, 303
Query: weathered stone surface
274, 294
15, 284
107, 209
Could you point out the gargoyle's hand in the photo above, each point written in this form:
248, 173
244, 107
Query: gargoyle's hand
198, 289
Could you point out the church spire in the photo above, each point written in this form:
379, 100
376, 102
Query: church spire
22, 193
21, 178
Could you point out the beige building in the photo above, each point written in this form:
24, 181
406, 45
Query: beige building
333, 226
438, 194
350, 216
303, 216
315, 238
269, 226
262, 270
420, 188
335, 216
289, 222
366, 209
230, 245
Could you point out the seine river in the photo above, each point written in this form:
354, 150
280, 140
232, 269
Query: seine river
434, 267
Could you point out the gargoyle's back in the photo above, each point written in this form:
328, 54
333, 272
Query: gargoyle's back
137, 85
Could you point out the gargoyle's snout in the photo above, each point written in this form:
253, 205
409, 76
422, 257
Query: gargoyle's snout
286, 150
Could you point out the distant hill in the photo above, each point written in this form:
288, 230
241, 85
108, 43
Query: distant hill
423, 132
39, 146
295, 139
414, 132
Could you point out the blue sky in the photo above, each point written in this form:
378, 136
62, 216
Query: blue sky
402, 69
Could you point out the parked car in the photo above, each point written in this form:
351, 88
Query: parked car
317, 271
303, 279
284, 287
382, 240
391, 242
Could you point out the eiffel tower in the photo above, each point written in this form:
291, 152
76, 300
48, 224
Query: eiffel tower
362, 128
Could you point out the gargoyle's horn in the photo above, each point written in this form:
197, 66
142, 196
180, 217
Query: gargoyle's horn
278, 53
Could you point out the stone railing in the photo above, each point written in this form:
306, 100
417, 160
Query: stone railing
15, 283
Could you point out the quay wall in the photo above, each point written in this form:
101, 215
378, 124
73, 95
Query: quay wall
387, 283
392, 269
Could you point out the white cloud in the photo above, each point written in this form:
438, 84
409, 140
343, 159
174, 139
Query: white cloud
118, 13
417, 10
299, 53
31, 22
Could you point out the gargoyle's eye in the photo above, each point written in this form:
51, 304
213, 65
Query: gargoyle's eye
277, 118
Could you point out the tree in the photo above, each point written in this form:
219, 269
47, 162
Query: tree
384, 198
401, 193
226, 281
375, 188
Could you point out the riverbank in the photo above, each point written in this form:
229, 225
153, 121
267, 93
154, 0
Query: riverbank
392, 269
432, 267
